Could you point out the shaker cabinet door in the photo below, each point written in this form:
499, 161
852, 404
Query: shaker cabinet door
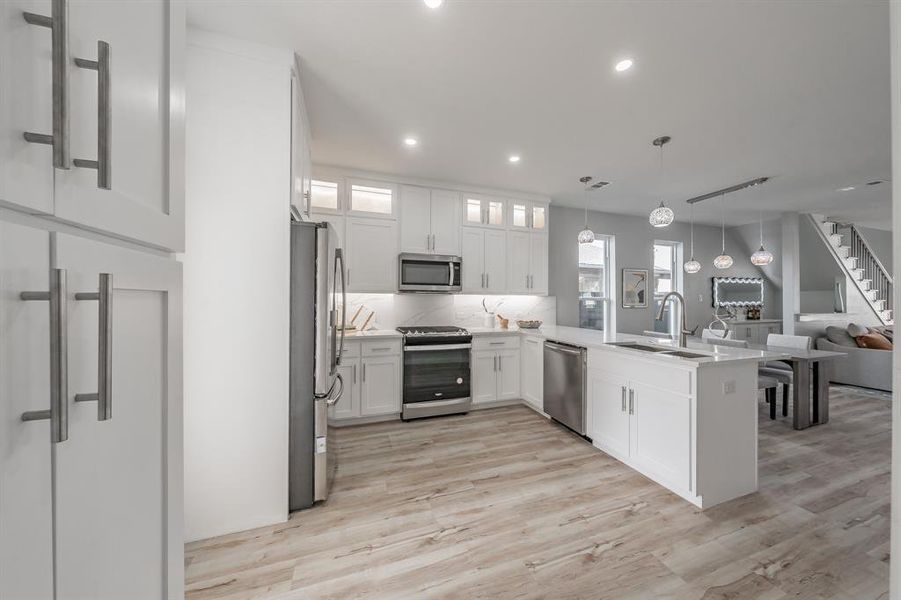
371, 255
380, 386
143, 198
608, 411
26, 105
446, 222
518, 250
473, 260
415, 219
26, 514
118, 476
496, 261
538, 281
508, 375
660, 436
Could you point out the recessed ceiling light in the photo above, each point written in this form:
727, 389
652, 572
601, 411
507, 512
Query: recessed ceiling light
410, 141
514, 159
624, 65
845, 189
433, 3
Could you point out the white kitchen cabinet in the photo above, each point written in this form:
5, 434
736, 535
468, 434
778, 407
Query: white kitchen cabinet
429, 221
348, 406
484, 376
445, 222
473, 254
374, 199
381, 391
608, 411
144, 198
26, 514
301, 160
519, 250
26, 105
495, 262
118, 481
495, 371
527, 262
484, 211
660, 434
532, 372
527, 215
371, 255
508, 374
755, 332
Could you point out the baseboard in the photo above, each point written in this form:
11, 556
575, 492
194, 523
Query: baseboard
364, 420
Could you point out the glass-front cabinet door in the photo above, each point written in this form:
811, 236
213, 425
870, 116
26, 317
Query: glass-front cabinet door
481, 210
527, 215
372, 199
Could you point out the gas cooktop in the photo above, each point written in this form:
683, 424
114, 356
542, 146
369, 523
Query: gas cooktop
434, 334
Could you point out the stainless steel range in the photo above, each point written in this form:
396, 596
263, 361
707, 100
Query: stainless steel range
436, 371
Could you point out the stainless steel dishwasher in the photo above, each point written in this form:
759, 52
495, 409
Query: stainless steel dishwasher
565, 384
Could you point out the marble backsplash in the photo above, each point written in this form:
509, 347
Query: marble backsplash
393, 310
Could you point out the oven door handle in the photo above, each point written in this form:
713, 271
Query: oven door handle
426, 348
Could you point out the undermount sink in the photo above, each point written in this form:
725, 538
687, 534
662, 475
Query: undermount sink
684, 354
642, 347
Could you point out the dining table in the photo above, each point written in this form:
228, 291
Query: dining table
810, 382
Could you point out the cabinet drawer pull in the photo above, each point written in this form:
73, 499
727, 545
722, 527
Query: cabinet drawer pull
104, 394
497, 343
631, 401
58, 414
104, 117
58, 22
624, 399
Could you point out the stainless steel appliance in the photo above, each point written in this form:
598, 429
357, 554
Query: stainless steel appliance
565, 384
429, 273
317, 291
436, 371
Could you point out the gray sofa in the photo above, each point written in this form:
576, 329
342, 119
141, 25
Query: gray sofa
861, 366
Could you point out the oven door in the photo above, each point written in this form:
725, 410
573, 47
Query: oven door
436, 372
429, 273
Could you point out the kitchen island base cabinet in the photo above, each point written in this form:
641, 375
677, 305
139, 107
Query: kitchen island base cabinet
692, 429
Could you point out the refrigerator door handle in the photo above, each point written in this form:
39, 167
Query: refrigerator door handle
339, 257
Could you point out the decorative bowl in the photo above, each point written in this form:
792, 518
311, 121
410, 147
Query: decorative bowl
528, 324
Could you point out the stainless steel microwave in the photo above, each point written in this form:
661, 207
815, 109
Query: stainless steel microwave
429, 273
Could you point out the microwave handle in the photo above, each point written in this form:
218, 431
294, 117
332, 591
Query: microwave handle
450, 264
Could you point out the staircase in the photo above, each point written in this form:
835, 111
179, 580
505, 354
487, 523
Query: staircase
853, 254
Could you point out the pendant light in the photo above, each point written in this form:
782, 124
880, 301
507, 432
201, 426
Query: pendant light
692, 266
662, 216
723, 261
586, 236
763, 256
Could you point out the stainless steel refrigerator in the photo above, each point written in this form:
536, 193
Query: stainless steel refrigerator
317, 294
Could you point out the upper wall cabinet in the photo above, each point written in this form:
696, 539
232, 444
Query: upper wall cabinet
429, 221
371, 247
301, 155
325, 197
371, 199
116, 164
527, 215
484, 211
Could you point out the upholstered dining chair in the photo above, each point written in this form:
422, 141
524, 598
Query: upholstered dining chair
716, 334
779, 370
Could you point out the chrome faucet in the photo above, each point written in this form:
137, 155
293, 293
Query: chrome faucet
683, 329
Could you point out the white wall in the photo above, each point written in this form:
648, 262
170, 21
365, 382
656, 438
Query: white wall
236, 279
895, 49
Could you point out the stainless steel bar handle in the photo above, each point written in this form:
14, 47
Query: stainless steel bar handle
339, 257
58, 23
450, 266
59, 359
104, 394
495, 363
624, 399
334, 401
355, 373
631, 401
104, 117
500, 363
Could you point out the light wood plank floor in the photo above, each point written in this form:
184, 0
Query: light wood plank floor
504, 504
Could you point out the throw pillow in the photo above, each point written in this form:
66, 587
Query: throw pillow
840, 337
874, 341
855, 330
887, 331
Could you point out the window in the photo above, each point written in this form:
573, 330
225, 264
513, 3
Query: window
667, 278
324, 195
595, 283
371, 199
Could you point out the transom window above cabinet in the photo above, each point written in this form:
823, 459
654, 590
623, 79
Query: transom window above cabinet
528, 215
324, 196
484, 211
372, 198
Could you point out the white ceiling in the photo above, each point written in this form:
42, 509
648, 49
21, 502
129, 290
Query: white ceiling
797, 90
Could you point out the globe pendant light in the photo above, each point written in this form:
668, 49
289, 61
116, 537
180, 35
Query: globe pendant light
692, 266
723, 261
662, 216
586, 236
763, 256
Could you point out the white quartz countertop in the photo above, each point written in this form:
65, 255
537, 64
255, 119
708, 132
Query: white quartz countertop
588, 338
371, 334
